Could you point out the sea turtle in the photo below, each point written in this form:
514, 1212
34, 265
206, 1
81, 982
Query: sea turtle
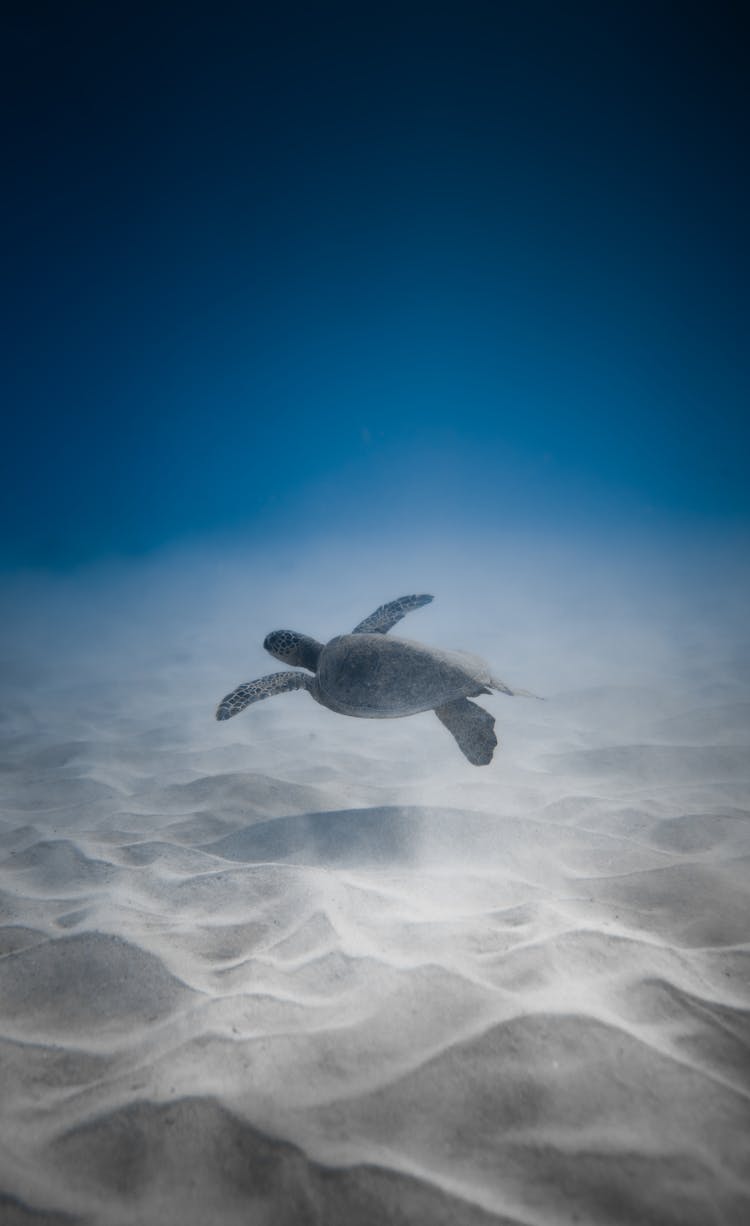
369, 675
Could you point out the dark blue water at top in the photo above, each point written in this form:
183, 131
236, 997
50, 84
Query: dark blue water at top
273, 271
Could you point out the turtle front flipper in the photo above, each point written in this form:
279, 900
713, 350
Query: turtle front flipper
263, 687
473, 728
384, 618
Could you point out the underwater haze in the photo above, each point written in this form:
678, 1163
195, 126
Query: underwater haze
315, 308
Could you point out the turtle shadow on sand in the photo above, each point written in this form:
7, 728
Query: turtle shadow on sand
380, 836
371, 676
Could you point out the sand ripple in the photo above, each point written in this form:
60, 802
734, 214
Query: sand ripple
261, 982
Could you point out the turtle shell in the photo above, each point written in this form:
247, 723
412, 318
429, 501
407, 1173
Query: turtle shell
378, 676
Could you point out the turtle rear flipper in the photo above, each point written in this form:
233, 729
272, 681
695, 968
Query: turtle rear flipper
473, 728
263, 687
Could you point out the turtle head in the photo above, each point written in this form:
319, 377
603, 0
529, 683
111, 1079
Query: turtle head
293, 648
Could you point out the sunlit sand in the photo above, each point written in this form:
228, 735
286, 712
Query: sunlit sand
303, 968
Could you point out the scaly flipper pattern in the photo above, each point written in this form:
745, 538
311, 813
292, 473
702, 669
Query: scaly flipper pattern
384, 618
263, 687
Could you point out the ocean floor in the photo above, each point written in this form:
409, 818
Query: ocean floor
298, 968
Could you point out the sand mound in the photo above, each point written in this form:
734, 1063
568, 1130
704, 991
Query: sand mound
50, 862
14, 1213
155, 1157
85, 983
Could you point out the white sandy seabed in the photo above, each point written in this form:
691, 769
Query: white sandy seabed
302, 969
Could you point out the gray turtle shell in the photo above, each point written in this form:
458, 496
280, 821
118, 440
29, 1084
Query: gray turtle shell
380, 677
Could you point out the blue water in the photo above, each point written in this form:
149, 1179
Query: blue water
278, 273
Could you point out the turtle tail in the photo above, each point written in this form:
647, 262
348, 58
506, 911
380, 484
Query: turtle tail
504, 688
